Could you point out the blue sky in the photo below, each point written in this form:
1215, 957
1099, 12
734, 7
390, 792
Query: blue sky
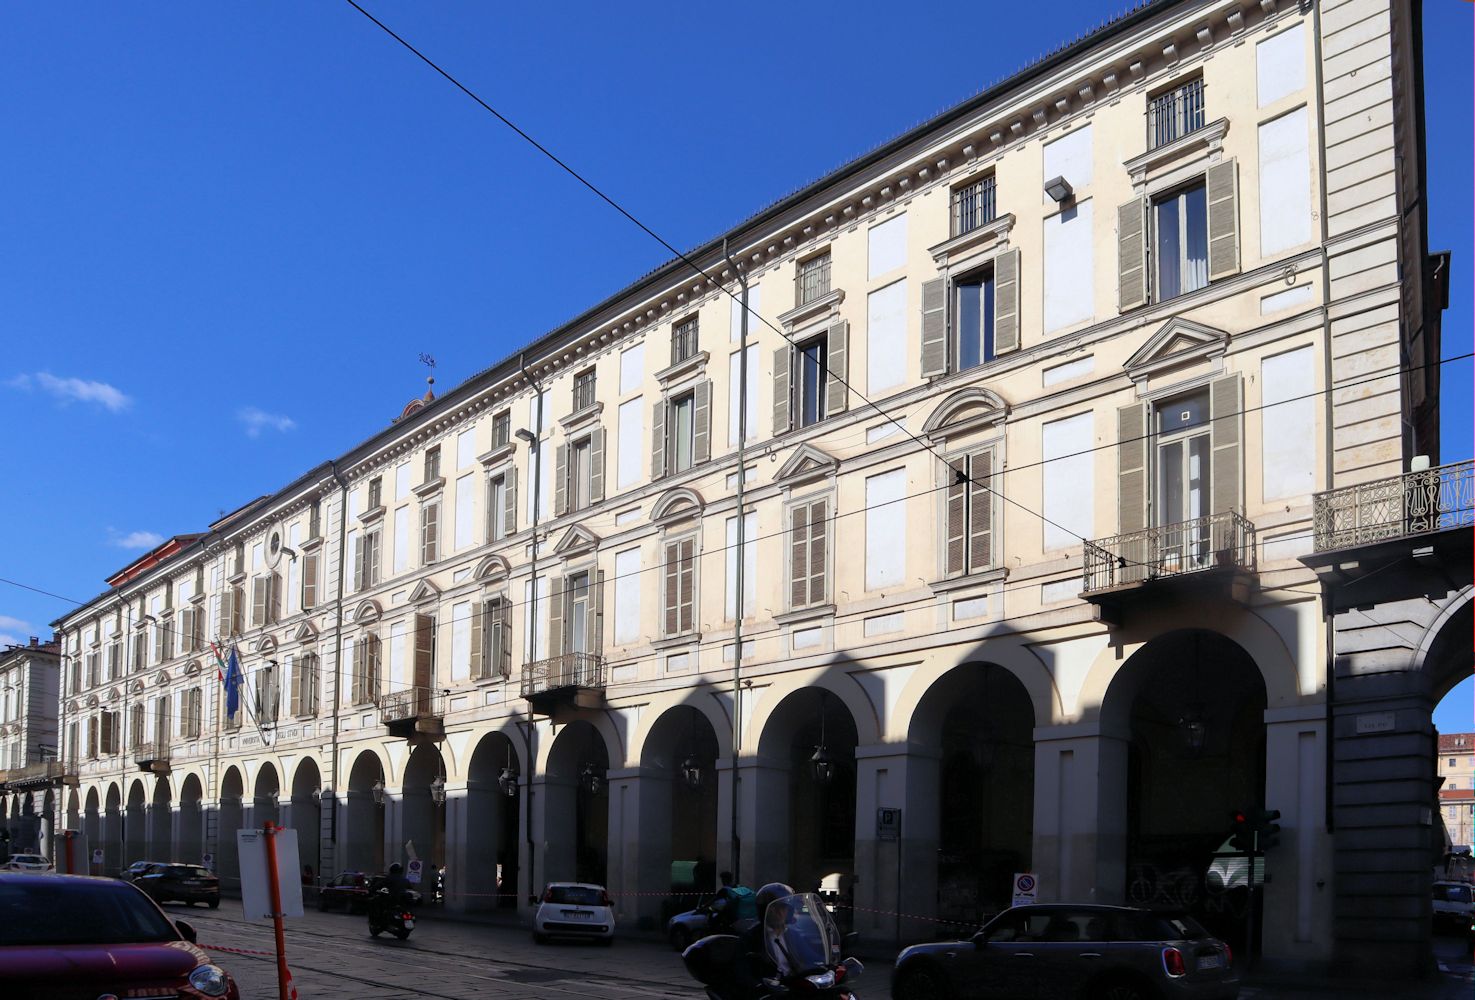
229, 230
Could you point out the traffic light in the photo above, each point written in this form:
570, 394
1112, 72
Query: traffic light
1267, 830
1241, 837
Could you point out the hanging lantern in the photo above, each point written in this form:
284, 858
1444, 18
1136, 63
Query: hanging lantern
438, 790
591, 780
507, 781
691, 772
822, 765
378, 792
1195, 730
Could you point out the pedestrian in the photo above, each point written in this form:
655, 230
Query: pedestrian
732, 903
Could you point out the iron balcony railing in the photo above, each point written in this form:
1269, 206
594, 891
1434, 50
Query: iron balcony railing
684, 341
39, 773
583, 392
147, 753
411, 703
1172, 115
812, 280
570, 670
1217, 541
973, 205
1417, 503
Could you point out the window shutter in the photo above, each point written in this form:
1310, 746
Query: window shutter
1221, 181
555, 617
781, 362
596, 615
934, 327
375, 551
687, 591
274, 589
360, 668
504, 615
596, 465
92, 739
371, 679
225, 613
358, 564
424, 651
701, 444
818, 551
310, 581
980, 512
799, 556
429, 529
258, 599
478, 661
294, 705
957, 517
560, 482
658, 439
1006, 302
672, 587
1131, 253
510, 491
186, 630
1226, 402
1132, 450
837, 350
166, 643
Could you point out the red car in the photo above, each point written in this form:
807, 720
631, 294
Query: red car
71, 936
348, 892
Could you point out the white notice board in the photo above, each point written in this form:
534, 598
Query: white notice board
255, 895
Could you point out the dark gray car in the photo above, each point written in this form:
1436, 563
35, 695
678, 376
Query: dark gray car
1068, 951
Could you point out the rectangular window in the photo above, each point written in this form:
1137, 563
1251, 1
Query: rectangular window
683, 426
680, 586
376, 492
973, 205
684, 340
808, 553
632, 369
578, 614
584, 390
974, 308
402, 484
886, 339
429, 533
1175, 113
502, 429
496, 654
1180, 242
497, 509
579, 470
812, 280
810, 359
401, 539
309, 581
432, 464
969, 514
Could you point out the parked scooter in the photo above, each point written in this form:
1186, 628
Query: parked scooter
386, 913
793, 951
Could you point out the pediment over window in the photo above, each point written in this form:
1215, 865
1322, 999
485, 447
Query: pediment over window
304, 633
266, 644
677, 504
576, 539
92, 702
136, 687
367, 612
807, 462
493, 568
1178, 341
113, 694
192, 668
161, 678
424, 591
965, 410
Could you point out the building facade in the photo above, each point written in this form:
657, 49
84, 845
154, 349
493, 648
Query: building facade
1457, 790
1040, 399
29, 751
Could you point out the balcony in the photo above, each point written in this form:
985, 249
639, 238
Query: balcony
39, 775
1215, 553
572, 677
152, 757
414, 712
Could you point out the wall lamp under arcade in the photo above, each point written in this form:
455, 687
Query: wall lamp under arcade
591, 779
507, 780
438, 790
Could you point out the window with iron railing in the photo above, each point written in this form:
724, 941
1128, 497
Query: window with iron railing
1175, 113
973, 205
501, 429
812, 281
684, 340
583, 390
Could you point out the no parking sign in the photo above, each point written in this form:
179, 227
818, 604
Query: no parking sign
1026, 889
415, 871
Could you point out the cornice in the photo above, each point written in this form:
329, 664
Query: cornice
693, 365
580, 418
1210, 138
809, 310
995, 232
428, 489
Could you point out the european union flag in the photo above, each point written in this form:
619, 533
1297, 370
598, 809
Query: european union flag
233, 680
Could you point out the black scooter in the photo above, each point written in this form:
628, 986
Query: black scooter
795, 952
385, 914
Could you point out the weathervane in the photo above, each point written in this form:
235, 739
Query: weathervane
427, 360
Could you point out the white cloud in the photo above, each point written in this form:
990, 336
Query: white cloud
7, 622
11, 640
135, 539
258, 420
74, 390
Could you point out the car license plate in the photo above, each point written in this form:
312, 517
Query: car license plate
193, 881
1211, 961
578, 914
409, 924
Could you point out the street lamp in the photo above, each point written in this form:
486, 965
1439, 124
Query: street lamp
591, 779
1195, 730
377, 790
507, 780
438, 790
691, 772
821, 763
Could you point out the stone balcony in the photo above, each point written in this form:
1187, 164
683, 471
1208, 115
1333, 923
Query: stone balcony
39, 775
153, 756
414, 713
576, 679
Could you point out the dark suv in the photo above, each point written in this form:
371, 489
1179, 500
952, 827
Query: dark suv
184, 883
1063, 950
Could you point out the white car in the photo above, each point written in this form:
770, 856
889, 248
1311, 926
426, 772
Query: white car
27, 863
1454, 902
575, 909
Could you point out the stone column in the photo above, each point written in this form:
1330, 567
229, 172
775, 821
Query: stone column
467, 838
1080, 819
394, 819
763, 819
1298, 895
639, 843
896, 879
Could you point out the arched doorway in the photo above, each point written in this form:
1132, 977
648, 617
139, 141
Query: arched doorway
190, 794
112, 834
492, 841
135, 825
973, 730
307, 812
422, 808
363, 846
813, 732
226, 858
92, 825
576, 806
1192, 704
160, 841
267, 796
678, 798
74, 811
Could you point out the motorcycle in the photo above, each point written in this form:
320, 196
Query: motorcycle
396, 917
793, 952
